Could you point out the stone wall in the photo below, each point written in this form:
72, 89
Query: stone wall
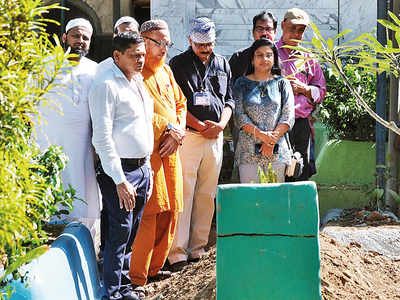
233, 18
104, 11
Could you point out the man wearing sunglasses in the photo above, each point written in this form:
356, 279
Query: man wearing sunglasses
205, 79
157, 228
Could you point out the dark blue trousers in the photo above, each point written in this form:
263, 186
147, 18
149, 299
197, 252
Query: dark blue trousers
122, 228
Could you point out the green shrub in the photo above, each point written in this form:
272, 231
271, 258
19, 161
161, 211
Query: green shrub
30, 186
340, 112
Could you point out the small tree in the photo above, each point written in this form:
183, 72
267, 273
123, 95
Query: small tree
371, 56
30, 186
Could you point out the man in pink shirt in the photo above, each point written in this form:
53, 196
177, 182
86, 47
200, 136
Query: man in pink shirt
308, 84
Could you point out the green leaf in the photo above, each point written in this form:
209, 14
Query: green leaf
31, 255
317, 43
329, 43
394, 17
316, 31
395, 195
389, 25
343, 33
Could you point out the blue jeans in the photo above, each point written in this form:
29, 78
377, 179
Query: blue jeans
122, 228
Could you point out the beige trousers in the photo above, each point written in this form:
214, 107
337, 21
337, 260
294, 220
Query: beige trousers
201, 163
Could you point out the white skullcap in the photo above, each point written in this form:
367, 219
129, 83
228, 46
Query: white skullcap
79, 22
125, 19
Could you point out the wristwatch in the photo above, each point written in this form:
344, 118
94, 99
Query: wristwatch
169, 127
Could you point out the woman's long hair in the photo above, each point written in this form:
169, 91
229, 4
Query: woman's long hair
276, 68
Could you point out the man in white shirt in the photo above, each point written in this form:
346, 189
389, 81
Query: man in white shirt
66, 123
122, 112
123, 24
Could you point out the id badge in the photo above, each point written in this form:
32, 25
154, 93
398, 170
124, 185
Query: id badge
201, 99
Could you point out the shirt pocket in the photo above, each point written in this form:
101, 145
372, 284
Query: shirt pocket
219, 83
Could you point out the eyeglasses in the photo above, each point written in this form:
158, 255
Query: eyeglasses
161, 44
204, 45
262, 29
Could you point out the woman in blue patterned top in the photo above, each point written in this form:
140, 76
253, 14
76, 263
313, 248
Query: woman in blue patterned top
264, 112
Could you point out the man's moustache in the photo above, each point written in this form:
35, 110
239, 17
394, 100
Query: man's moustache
79, 52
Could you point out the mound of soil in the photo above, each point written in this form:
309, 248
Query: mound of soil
347, 272
363, 217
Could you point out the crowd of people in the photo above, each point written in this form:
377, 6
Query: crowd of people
157, 130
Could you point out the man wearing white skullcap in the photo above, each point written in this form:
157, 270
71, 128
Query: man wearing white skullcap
205, 79
66, 123
123, 24
76, 38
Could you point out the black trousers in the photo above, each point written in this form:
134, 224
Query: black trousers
121, 228
301, 140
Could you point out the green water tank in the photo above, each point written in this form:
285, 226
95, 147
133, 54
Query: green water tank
267, 242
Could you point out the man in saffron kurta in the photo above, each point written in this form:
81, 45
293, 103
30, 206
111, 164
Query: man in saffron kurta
157, 228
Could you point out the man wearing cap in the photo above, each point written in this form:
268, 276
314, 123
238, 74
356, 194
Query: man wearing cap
157, 228
205, 79
123, 24
66, 122
264, 27
122, 113
308, 84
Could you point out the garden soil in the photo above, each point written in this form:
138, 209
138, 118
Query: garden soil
347, 272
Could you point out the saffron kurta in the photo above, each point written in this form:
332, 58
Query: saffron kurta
158, 225
169, 107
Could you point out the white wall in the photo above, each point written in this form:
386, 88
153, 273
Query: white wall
233, 18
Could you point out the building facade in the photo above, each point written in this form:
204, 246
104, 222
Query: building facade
233, 18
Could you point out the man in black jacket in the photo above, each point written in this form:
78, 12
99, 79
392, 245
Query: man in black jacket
205, 80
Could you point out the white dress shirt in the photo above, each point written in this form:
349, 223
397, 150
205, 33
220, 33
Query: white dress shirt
122, 113
65, 122
104, 65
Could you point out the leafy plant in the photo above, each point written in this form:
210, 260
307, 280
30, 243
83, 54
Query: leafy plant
371, 56
339, 111
30, 188
270, 176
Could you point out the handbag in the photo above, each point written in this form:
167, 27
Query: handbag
295, 168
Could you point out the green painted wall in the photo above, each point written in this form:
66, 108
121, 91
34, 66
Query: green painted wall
345, 170
268, 242
320, 137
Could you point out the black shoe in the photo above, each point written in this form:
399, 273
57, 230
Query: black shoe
161, 275
178, 266
194, 259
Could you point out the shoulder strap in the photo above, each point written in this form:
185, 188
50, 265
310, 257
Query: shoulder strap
280, 82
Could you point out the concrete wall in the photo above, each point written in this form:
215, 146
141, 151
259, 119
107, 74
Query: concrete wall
104, 10
233, 18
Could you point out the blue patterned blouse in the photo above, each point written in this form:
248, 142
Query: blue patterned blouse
264, 104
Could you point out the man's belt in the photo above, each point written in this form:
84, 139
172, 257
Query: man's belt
133, 162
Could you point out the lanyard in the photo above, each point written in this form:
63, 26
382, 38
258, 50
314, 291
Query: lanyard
203, 80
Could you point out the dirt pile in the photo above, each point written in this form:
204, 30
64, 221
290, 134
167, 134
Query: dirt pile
196, 281
347, 272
